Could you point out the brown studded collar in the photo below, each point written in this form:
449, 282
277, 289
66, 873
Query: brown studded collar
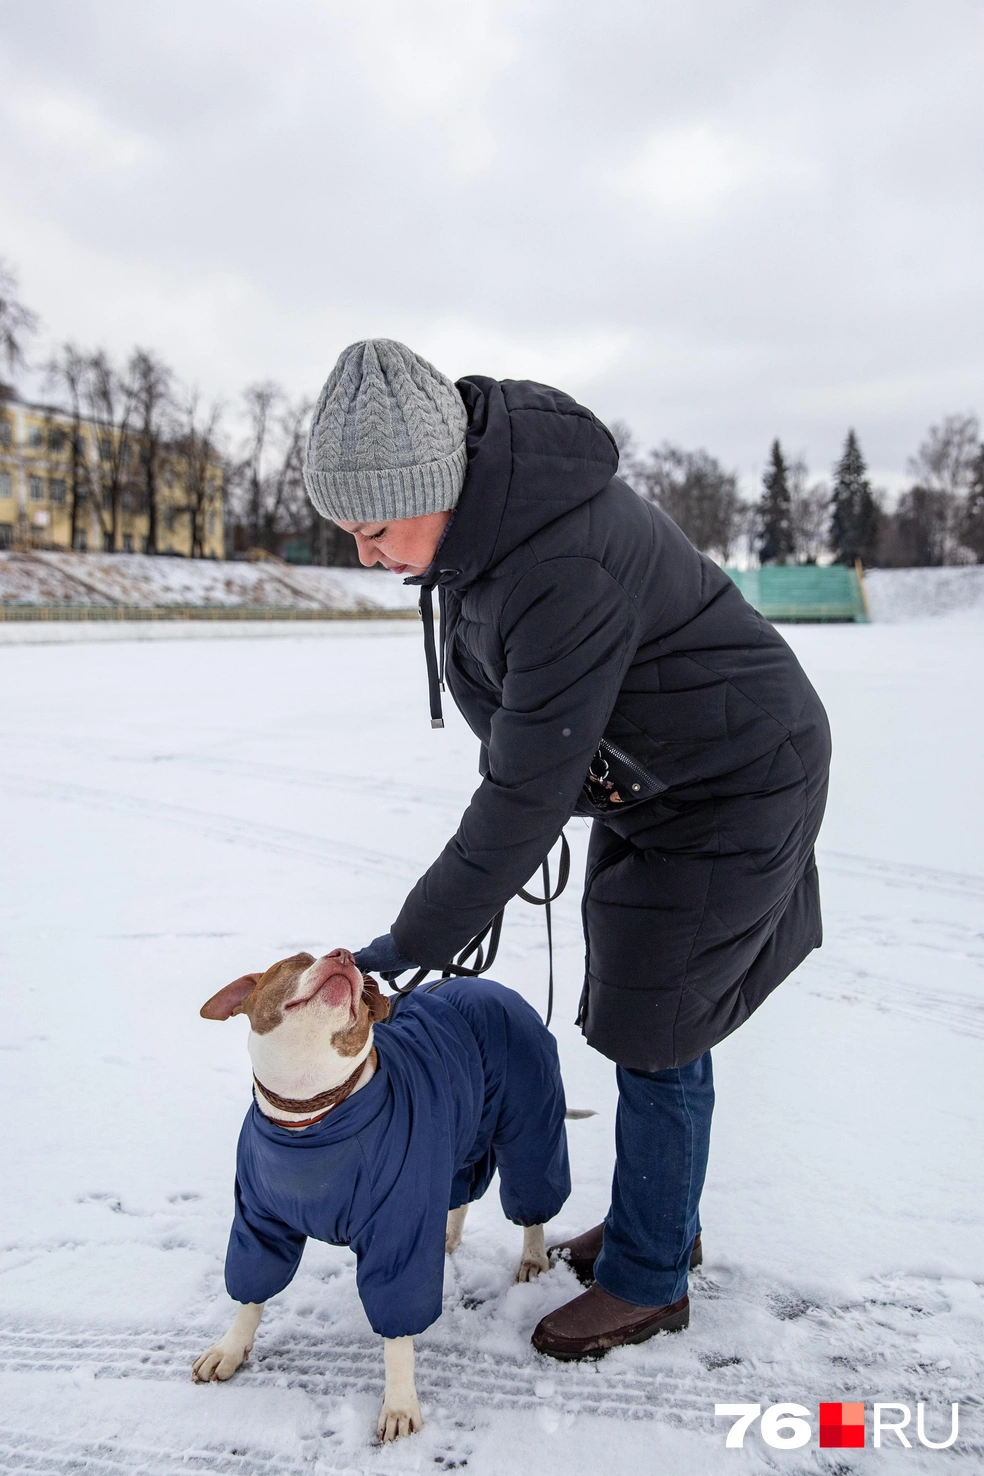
322, 1104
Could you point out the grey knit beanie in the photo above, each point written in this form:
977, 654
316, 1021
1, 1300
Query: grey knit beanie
388, 437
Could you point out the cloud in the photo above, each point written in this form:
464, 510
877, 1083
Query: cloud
722, 221
691, 171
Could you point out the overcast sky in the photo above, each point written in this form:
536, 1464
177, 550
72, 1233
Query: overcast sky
719, 220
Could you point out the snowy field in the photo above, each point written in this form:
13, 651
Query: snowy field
177, 812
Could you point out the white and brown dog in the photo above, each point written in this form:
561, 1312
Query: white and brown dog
380, 1142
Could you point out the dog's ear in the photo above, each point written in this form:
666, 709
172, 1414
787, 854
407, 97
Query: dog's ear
229, 1001
379, 1005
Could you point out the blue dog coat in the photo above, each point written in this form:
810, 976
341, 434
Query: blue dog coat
468, 1081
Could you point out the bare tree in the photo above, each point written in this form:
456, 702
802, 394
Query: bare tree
694, 490
261, 401
931, 513
628, 447
918, 534
112, 404
197, 449
972, 522
810, 513
268, 478
67, 375
152, 386
944, 461
17, 322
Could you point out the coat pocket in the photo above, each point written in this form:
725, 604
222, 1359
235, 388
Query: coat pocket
615, 781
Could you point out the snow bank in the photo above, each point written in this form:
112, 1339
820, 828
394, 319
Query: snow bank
910, 594
139, 579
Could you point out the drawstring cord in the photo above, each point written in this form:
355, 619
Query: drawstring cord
435, 673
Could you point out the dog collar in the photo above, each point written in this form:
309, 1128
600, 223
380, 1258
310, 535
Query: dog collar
322, 1103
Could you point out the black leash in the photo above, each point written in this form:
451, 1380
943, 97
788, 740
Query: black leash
485, 945
544, 902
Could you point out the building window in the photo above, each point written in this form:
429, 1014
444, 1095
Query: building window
125, 453
126, 501
107, 543
6, 484
56, 439
128, 543
6, 535
36, 485
169, 517
35, 437
6, 434
81, 542
105, 449
56, 489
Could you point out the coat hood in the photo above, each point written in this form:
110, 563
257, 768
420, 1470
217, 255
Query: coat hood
534, 454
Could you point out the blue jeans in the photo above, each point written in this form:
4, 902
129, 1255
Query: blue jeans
662, 1133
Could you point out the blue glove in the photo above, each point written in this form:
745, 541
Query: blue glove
382, 956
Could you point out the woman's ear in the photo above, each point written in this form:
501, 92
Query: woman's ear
379, 1005
229, 1001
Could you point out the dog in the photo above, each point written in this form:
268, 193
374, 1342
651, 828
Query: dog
380, 1139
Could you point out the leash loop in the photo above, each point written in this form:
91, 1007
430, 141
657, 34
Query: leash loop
485, 945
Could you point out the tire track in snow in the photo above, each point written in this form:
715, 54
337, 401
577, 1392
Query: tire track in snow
449, 799
959, 1012
23, 1451
253, 769
867, 1350
900, 874
268, 838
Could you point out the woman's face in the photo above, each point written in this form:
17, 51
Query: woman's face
405, 545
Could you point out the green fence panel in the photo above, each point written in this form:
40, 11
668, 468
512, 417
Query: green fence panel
803, 592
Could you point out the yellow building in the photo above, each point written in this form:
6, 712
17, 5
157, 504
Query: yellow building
58, 475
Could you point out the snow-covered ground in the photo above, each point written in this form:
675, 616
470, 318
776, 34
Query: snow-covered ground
137, 579
178, 812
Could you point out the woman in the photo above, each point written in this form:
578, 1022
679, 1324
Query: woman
610, 669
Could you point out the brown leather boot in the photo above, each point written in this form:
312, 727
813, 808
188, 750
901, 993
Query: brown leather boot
582, 1252
596, 1322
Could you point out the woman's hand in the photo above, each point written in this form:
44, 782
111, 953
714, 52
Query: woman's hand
382, 956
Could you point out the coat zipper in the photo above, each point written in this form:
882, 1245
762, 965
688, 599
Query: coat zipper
633, 767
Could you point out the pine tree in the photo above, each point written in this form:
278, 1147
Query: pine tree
776, 541
854, 514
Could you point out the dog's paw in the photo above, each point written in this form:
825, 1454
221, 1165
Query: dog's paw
532, 1266
455, 1226
220, 1361
399, 1419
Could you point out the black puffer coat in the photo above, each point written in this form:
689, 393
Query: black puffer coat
575, 611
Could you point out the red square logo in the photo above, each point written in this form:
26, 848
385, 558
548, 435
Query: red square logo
841, 1425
